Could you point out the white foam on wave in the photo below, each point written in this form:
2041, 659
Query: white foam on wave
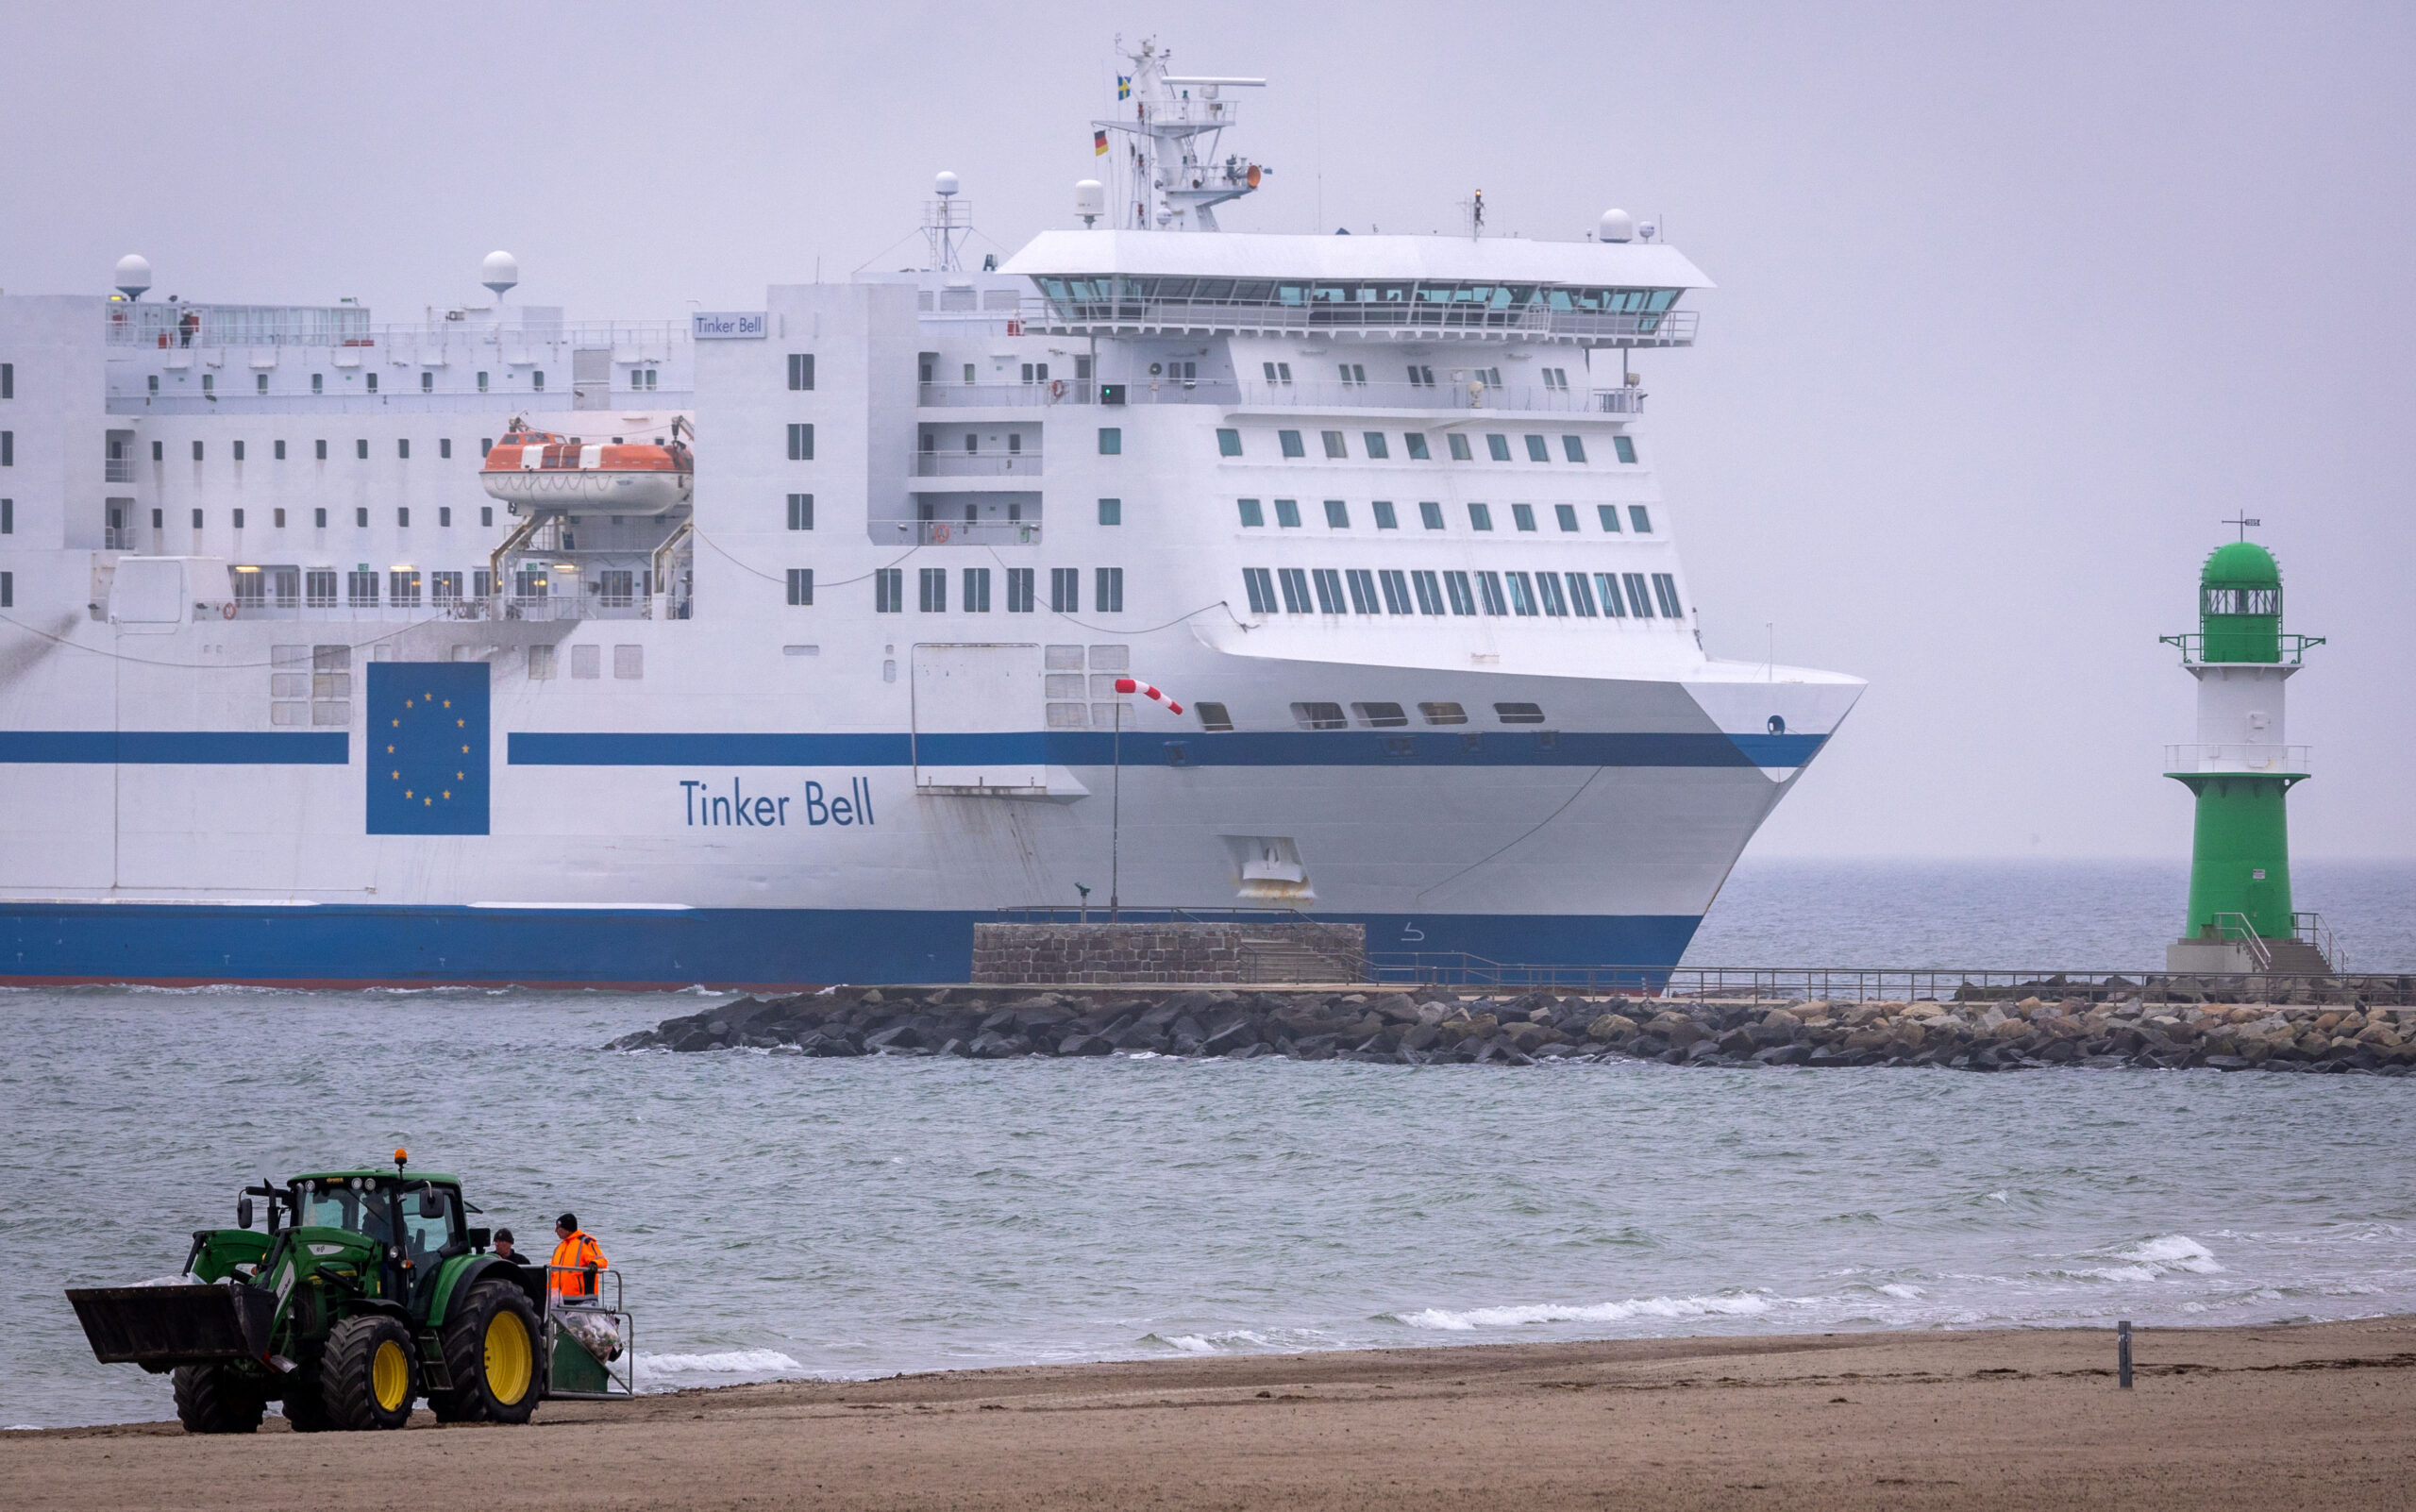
2151, 1259
1900, 1290
659, 1373
1614, 1312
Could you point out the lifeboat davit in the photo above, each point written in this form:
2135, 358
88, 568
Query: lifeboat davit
535, 471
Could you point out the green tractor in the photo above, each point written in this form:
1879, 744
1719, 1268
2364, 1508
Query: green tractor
368, 1290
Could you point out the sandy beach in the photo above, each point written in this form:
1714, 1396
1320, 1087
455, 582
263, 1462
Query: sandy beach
2280, 1417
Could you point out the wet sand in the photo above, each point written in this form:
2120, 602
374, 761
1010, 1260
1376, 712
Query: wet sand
2320, 1415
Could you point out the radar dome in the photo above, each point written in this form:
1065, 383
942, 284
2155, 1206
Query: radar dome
1090, 200
1615, 226
946, 184
133, 274
499, 272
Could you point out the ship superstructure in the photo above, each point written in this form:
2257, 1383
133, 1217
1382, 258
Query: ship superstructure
298, 682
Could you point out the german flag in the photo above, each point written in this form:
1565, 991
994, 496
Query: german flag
1098, 144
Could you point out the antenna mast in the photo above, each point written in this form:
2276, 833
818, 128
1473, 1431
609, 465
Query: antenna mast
1170, 179
945, 222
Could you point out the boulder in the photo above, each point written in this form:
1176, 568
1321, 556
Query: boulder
1082, 1042
1738, 1043
993, 1046
1611, 1027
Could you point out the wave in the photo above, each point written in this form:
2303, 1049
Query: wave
1614, 1312
655, 1372
2150, 1259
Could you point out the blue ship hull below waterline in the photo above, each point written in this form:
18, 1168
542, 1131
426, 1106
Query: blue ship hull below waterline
407, 945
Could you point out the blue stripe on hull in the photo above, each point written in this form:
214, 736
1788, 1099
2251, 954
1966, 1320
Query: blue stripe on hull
1341, 747
352, 944
176, 747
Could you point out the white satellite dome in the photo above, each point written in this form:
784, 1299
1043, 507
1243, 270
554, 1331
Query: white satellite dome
499, 272
946, 184
133, 274
1090, 200
1615, 226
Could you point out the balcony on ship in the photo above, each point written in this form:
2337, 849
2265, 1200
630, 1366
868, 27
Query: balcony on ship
982, 395
1417, 309
1454, 390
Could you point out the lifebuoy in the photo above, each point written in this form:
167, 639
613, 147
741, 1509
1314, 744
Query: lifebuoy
1057, 388
939, 532
226, 610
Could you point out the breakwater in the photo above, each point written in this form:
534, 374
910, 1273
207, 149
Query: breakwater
1426, 1027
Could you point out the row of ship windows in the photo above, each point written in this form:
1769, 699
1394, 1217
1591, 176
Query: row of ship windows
1429, 515
1359, 591
973, 590
273, 587
318, 518
641, 379
1213, 716
1376, 445
359, 449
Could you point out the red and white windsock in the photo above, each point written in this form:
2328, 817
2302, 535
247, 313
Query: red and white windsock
1128, 686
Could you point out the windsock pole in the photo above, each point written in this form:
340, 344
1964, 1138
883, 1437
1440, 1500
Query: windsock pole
1116, 799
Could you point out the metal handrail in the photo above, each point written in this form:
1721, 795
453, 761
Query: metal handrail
2236, 928
1053, 391
977, 464
1447, 394
2193, 645
1670, 328
2236, 756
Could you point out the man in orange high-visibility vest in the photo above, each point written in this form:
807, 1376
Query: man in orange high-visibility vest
577, 1259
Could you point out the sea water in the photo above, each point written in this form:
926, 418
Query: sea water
783, 1216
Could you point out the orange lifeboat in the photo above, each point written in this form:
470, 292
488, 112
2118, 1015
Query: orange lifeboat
537, 472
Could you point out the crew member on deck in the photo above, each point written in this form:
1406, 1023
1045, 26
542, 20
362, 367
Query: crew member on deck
577, 1259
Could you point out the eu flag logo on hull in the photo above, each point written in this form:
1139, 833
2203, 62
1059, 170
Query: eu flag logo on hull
427, 747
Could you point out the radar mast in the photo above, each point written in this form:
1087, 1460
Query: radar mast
1166, 164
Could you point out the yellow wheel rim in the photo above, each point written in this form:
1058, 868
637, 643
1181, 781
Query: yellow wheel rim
390, 1376
510, 1361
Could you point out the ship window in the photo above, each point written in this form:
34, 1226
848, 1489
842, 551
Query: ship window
1381, 716
1635, 599
1213, 716
1612, 605
1548, 589
1523, 516
889, 590
1376, 448
486, 514
8, 590
1566, 515
1443, 713
360, 589
403, 450
239, 451
403, 589
1019, 594
1338, 514
801, 443
1498, 447
8, 381
1641, 518
1329, 586
1416, 442
444, 589
1573, 447
280, 450
1396, 590
1665, 592
1610, 517
628, 662
1334, 445
801, 370
1363, 589
1354, 375
1429, 593
1065, 590
1489, 595
482, 383
196, 519
1260, 586
1429, 515
318, 383
1287, 514
1296, 589
587, 662
1252, 516
426, 381
1625, 446
1460, 448
1229, 442
1382, 510
1536, 450
537, 379
360, 448
12, 436
1522, 594
1462, 600
1319, 717
1111, 441
373, 381
1480, 517
1111, 512
933, 584
800, 512
977, 589
1289, 441
1109, 597
158, 450
1420, 377
1519, 714
403, 517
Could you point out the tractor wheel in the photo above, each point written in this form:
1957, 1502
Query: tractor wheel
211, 1399
306, 1411
366, 1375
491, 1350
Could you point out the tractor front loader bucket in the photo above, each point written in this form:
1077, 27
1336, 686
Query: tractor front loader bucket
161, 1327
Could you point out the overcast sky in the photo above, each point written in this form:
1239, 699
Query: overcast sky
2016, 302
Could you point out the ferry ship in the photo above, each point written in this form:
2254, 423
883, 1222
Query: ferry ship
780, 646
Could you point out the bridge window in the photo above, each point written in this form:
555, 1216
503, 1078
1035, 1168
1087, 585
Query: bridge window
1609, 584
1289, 443
1382, 510
1373, 442
1522, 594
1363, 589
1496, 446
1665, 590
1635, 599
1460, 451
1536, 450
1295, 583
1229, 442
1287, 514
1625, 446
1260, 586
1480, 517
1609, 513
1489, 595
1252, 516
1429, 593
1396, 591
1641, 518
1415, 443
1581, 595
1523, 516
1333, 446
1573, 447
1566, 515
1462, 600
1548, 589
1329, 585
1338, 514
1429, 515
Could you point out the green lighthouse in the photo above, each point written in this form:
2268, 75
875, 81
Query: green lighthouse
2241, 769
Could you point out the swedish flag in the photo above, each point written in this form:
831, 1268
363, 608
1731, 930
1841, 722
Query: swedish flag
1123, 85
427, 747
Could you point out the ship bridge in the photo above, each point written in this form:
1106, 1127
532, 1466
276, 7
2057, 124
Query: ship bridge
1407, 288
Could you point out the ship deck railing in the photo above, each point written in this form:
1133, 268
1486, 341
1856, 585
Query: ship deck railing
1881, 983
1404, 321
978, 464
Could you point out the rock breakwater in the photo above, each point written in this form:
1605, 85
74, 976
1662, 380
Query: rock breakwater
1422, 1026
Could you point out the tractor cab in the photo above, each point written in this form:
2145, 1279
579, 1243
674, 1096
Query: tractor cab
368, 1289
